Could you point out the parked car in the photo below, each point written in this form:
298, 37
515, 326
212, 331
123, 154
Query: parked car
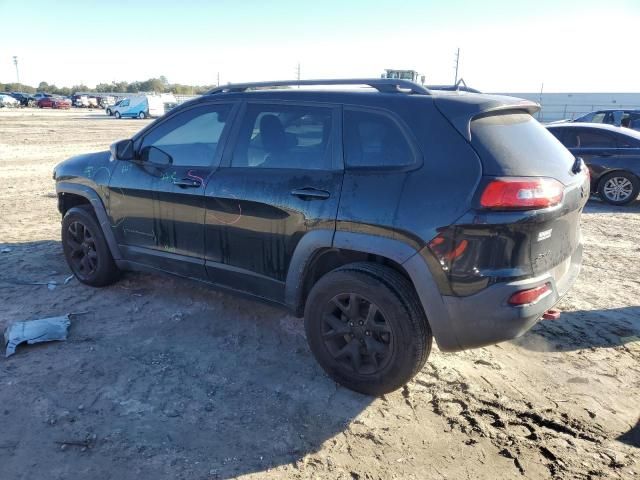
54, 102
139, 106
385, 217
40, 95
7, 100
619, 118
80, 101
24, 99
612, 155
106, 101
109, 109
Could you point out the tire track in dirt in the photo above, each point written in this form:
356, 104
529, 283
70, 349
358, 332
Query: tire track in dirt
522, 431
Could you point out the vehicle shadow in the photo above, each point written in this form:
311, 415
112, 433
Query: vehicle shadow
582, 329
632, 437
595, 205
166, 377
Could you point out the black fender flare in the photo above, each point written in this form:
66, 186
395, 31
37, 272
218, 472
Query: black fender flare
99, 209
411, 260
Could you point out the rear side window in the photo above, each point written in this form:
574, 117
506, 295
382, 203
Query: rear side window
594, 139
285, 136
374, 140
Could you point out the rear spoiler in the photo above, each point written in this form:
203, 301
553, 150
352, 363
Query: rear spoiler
461, 109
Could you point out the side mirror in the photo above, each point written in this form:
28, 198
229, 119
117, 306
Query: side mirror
155, 156
122, 150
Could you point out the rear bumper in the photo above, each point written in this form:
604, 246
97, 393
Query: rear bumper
486, 318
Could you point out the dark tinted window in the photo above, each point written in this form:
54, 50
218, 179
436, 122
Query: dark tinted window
594, 139
192, 136
514, 143
557, 133
569, 136
284, 136
626, 141
374, 140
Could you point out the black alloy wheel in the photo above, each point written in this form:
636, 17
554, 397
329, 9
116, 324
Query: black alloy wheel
83, 256
356, 333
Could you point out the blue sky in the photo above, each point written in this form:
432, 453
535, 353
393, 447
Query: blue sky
507, 46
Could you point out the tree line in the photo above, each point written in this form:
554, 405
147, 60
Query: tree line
157, 85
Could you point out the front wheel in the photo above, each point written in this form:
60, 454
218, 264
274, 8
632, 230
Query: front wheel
117, 114
619, 188
366, 328
108, 112
86, 249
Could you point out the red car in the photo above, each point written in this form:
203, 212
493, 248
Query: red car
54, 102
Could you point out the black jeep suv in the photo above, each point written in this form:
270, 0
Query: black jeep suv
385, 215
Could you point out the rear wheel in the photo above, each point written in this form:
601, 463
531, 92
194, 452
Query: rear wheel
142, 115
619, 188
108, 112
365, 326
86, 249
117, 114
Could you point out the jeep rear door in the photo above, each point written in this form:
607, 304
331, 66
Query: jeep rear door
280, 178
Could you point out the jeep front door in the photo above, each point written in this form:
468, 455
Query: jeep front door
157, 201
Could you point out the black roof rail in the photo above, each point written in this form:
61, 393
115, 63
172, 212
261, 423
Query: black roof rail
384, 85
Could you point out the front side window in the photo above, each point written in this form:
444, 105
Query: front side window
284, 136
374, 140
598, 117
190, 138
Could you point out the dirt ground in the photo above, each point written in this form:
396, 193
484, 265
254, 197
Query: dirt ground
164, 378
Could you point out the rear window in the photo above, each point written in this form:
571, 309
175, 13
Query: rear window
516, 144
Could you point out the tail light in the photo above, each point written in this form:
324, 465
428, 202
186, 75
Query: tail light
447, 250
531, 295
515, 193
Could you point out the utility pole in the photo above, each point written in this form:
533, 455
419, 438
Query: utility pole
218, 81
455, 82
15, 62
298, 72
540, 102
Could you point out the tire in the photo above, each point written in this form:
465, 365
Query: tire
618, 188
142, 115
117, 114
82, 238
390, 341
108, 112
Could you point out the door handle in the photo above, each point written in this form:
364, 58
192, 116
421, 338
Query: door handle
309, 193
187, 183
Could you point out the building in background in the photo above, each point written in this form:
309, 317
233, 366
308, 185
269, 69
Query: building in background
560, 106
